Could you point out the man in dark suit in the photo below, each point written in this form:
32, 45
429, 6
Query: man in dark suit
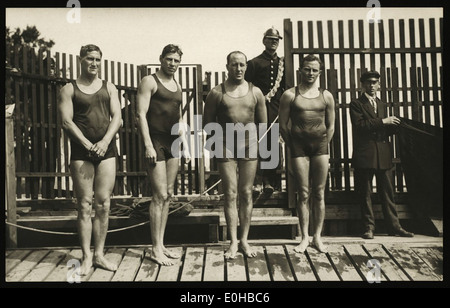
372, 155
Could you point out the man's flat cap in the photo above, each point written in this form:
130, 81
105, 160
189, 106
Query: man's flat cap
369, 75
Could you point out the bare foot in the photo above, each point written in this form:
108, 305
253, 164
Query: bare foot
100, 261
317, 243
302, 246
247, 250
231, 252
86, 265
160, 258
171, 254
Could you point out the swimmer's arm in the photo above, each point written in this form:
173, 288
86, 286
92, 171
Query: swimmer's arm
210, 110
65, 109
182, 132
330, 115
283, 112
116, 114
144, 94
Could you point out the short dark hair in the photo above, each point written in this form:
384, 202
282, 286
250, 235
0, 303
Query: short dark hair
88, 48
311, 58
171, 48
235, 52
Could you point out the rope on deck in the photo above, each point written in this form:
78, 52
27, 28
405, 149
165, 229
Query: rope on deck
138, 224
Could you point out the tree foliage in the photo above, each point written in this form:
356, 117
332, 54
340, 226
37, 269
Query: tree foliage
30, 36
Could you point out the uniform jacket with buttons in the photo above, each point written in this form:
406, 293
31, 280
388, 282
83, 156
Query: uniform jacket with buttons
262, 71
371, 146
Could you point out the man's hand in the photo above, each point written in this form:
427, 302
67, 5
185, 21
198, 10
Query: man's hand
187, 156
99, 149
150, 155
392, 120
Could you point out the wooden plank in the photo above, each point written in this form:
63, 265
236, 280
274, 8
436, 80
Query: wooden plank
214, 264
61, 271
129, 266
14, 258
193, 264
388, 267
301, 266
431, 259
236, 268
114, 255
321, 265
360, 260
343, 106
22, 269
278, 264
434, 74
343, 264
257, 266
10, 182
171, 273
148, 270
46, 266
415, 268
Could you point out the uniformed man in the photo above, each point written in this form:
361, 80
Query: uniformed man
266, 72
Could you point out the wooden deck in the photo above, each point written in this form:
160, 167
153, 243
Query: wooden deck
416, 259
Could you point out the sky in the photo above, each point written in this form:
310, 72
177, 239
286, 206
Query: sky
206, 35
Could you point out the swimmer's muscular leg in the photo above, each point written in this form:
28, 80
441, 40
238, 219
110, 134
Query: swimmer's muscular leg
171, 175
105, 175
301, 167
158, 179
319, 171
227, 170
82, 173
247, 171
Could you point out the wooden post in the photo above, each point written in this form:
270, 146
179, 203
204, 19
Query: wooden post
289, 75
201, 164
10, 177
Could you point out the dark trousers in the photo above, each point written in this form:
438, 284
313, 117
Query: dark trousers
385, 189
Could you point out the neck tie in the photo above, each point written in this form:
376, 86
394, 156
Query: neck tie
374, 104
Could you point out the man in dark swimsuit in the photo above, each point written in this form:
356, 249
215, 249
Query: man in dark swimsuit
239, 103
311, 112
90, 114
158, 110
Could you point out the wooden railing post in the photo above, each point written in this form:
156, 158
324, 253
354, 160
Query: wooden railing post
201, 165
10, 177
289, 75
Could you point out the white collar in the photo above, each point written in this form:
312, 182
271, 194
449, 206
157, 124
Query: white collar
370, 97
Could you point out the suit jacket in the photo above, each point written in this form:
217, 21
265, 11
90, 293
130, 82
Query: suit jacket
371, 146
262, 71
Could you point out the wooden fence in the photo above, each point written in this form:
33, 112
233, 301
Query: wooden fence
408, 58
409, 61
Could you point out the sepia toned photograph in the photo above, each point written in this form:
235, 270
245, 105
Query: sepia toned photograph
224, 146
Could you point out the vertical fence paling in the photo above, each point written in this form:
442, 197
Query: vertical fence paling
409, 87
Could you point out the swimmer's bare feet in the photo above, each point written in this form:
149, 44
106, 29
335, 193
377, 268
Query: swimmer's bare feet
171, 254
247, 250
86, 265
317, 243
100, 261
160, 258
232, 251
302, 246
